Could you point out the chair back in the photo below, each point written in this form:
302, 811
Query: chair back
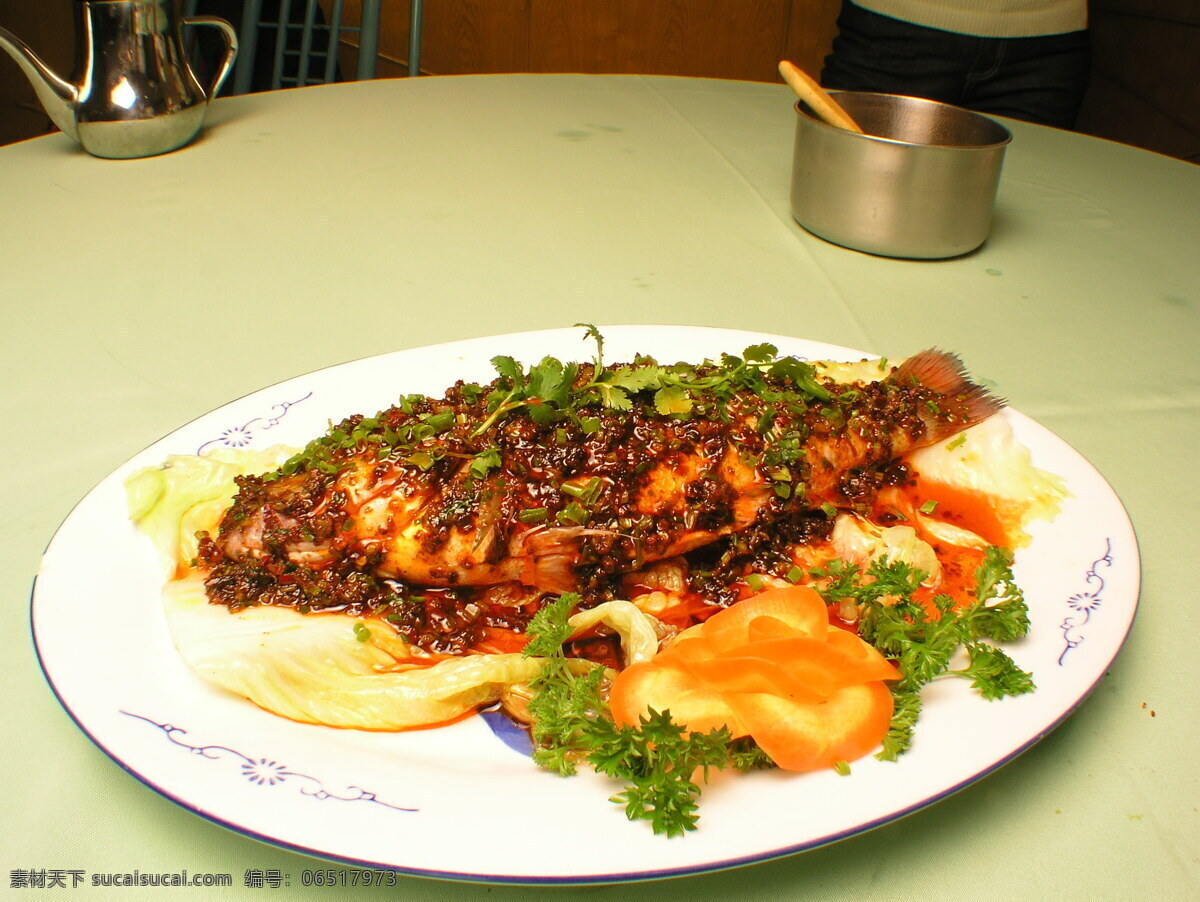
294, 43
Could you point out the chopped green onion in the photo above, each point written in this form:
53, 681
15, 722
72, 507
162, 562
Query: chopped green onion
422, 459
362, 632
574, 513
440, 422
533, 515
484, 462
928, 507
756, 582
794, 575
585, 493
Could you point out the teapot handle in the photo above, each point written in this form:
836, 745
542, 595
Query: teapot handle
231, 48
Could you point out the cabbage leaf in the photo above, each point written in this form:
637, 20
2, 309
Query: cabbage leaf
188, 493
315, 668
987, 460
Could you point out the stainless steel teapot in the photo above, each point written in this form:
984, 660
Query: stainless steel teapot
133, 93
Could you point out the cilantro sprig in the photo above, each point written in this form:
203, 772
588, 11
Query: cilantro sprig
550, 391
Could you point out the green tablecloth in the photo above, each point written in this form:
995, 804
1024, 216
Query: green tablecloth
310, 227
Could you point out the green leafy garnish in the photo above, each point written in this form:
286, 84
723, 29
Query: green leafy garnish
590, 331
922, 643
548, 628
656, 760
994, 673
564, 708
672, 399
574, 514
485, 462
906, 709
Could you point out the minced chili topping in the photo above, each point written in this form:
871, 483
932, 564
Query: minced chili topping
725, 466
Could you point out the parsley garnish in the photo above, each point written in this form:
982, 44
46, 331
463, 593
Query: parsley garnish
656, 760
922, 643
548, 628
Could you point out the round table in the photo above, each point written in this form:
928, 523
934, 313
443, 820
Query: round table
309, 227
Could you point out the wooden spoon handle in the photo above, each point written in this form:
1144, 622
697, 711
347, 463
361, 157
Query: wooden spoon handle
815, 96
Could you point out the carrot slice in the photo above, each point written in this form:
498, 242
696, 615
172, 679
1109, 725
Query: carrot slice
799, 607
874, 666
840, 663
772, 667
640, 687
755, 674
690, 647
658, 685
809, 737
767, 627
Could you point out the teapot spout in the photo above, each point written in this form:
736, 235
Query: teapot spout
57, 95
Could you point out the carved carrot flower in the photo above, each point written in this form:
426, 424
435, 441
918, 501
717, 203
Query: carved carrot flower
773, 668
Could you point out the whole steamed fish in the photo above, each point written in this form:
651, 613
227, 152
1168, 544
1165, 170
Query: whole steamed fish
561, 476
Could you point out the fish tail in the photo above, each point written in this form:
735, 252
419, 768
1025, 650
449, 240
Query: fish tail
962, 402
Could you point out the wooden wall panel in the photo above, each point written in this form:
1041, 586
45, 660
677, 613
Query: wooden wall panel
50, 31
716, 38
458, 36
463, 36
810, 31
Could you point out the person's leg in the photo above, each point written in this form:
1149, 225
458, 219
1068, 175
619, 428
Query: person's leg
1041, 79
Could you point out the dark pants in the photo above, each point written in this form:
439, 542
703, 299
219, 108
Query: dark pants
1039, 79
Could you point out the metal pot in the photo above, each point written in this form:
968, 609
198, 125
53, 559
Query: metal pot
920, 183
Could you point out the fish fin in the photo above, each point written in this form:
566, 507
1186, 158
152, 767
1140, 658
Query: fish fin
963, 402
549, 555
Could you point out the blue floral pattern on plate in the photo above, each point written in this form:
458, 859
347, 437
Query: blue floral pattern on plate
266, 771
243, 435
1084, 604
